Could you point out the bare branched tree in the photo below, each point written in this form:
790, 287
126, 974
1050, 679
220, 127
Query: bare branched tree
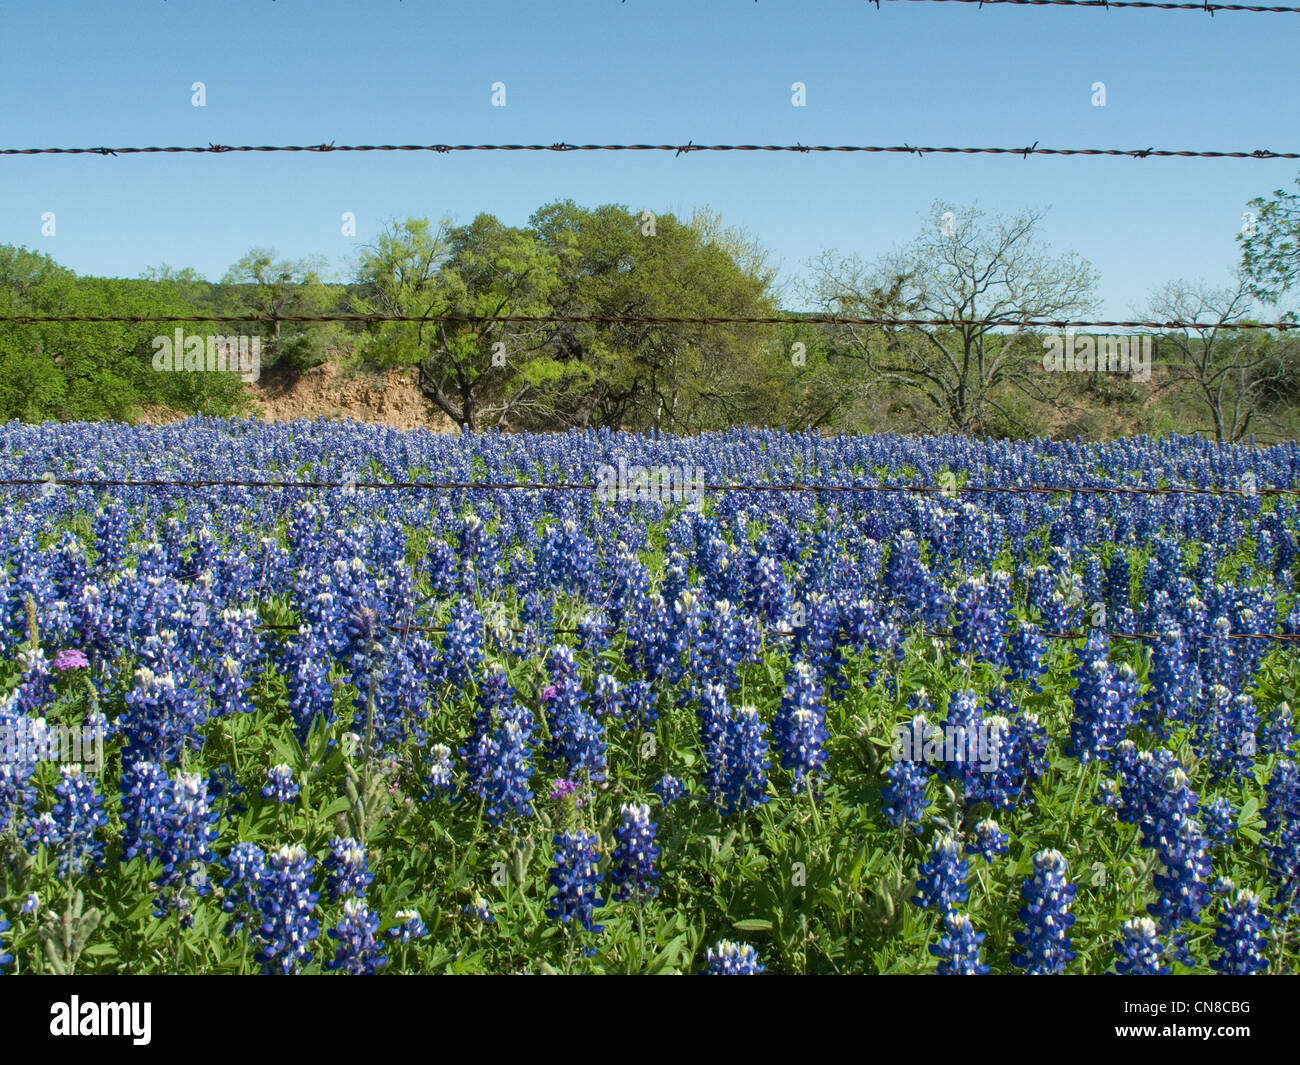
959, 268
1230, 372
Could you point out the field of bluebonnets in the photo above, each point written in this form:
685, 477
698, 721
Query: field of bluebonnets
503, 730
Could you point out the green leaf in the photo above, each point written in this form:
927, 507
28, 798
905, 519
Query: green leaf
752, 924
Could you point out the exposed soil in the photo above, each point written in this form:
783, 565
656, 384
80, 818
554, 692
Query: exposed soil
331, 391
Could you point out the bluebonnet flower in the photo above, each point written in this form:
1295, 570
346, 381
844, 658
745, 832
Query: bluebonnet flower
1284, 867
1220, 818
247, 865
5, 959
669, 788
903, 794
1046, 938
462, 643
1157, 796
575, 880
162, 716
577, 737
1025, 652
989, 840
1105, 701
607, 700
18, 760
237, 635
737, 762
1139, 950
979, 609
639, 701
1173, 682
1239, 936
799, 731
1279, 731
280, 784
728, 958
357, 952
1281, 797
1226, 735
347, 870
498, 761
307, 671
181, 843
593, 632
958, 949
74, 821
632, 872
439, 775
285, 903
941, 879
146, 804
409, 926
31, 904
479, 909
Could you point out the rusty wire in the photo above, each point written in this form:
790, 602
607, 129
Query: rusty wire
1208, 8
1281, 637
678, 149
634, 319
51, 481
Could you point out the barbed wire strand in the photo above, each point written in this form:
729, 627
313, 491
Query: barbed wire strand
677, 149
51, 481
635, 319
1282, 637
1208, 8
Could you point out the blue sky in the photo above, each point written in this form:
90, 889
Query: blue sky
375, 71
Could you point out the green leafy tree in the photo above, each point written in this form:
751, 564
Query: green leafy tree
478, 374
613, 262
1270, 246
84, 370
261, 284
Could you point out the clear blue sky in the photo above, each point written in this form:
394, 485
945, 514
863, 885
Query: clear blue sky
374, 71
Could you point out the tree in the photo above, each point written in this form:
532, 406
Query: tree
262, 285
475, 373
1230, 372
1270, 252
93, 370
617, 263
957, 269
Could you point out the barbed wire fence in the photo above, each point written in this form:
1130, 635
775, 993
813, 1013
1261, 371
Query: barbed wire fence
1205, 7
50, 481
677, 149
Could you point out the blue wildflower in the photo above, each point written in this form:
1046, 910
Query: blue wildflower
1239, 936
958, 949
1139, 951
574, 878
941, 882
358, 951
1046, 938
728, 958
633, 872
280, 784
